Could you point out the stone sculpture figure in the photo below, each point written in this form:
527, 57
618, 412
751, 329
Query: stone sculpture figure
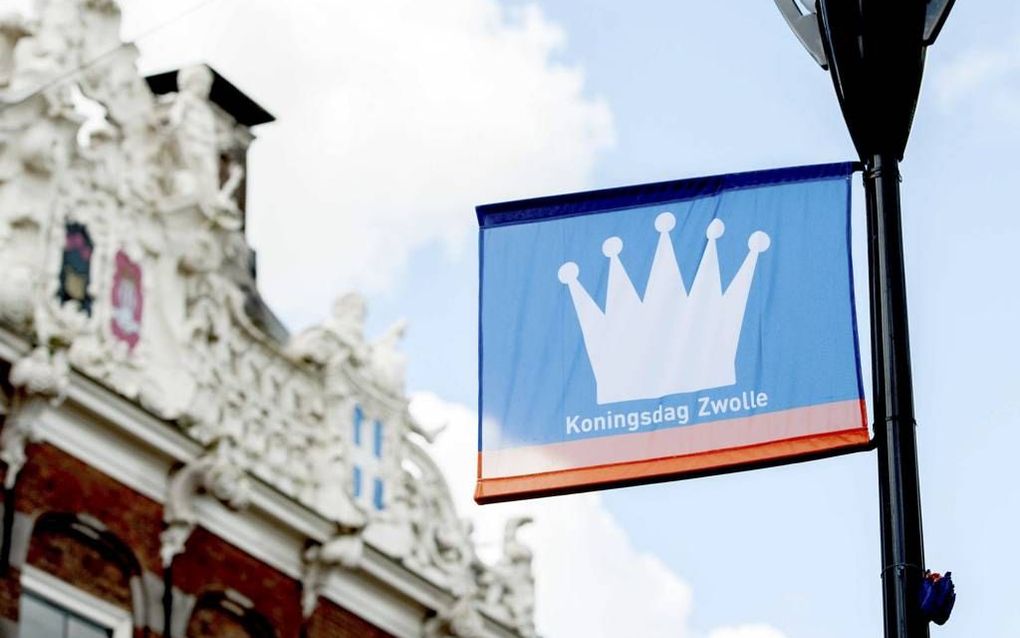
510, 584
193, 152
53, 48
193, 125
460, 620
347, 324
12, 29
389, 363
340, 338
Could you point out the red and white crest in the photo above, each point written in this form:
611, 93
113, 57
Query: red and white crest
126, 318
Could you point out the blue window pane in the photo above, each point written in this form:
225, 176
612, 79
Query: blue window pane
78, 628
377, 440
357, 482
359, 417
377, 494
39, 618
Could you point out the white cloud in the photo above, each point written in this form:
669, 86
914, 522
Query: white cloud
746, 631
396, 118
590, 579
982, 76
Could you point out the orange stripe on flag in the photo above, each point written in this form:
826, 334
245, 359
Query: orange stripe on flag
673, 452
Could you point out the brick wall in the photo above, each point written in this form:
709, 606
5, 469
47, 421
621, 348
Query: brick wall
10, 592
53, 481
212, 622
209, 564
56, 487
75, 560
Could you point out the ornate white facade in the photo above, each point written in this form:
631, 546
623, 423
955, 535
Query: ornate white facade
308, 436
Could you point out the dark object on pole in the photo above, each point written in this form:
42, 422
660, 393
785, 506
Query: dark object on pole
938, 595
874, 51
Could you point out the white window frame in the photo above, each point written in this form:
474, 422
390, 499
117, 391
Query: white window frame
77, 601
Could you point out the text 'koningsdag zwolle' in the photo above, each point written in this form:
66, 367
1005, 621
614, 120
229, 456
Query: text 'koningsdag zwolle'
677, 414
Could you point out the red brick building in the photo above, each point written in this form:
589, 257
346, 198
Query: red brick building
174, 463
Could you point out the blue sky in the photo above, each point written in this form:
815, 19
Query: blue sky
702, 88
635, 92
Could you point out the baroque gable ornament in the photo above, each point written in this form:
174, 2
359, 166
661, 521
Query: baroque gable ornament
146, 285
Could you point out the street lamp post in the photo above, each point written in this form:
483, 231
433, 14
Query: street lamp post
874, 51
893, 406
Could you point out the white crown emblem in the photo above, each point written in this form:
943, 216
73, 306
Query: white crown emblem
673, 340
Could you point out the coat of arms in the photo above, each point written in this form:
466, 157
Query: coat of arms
126, 297
75, 266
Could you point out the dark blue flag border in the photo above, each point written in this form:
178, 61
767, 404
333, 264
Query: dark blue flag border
609, 199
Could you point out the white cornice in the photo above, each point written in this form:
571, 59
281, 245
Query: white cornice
385, 569
271, 504
141, 468
375, 602
131, 419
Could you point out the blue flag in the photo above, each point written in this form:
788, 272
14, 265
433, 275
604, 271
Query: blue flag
648, 332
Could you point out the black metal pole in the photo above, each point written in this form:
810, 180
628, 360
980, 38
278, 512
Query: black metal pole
893, 399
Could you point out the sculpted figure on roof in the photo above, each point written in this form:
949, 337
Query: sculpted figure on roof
339, 339
388, 361
510, 584
192, 150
